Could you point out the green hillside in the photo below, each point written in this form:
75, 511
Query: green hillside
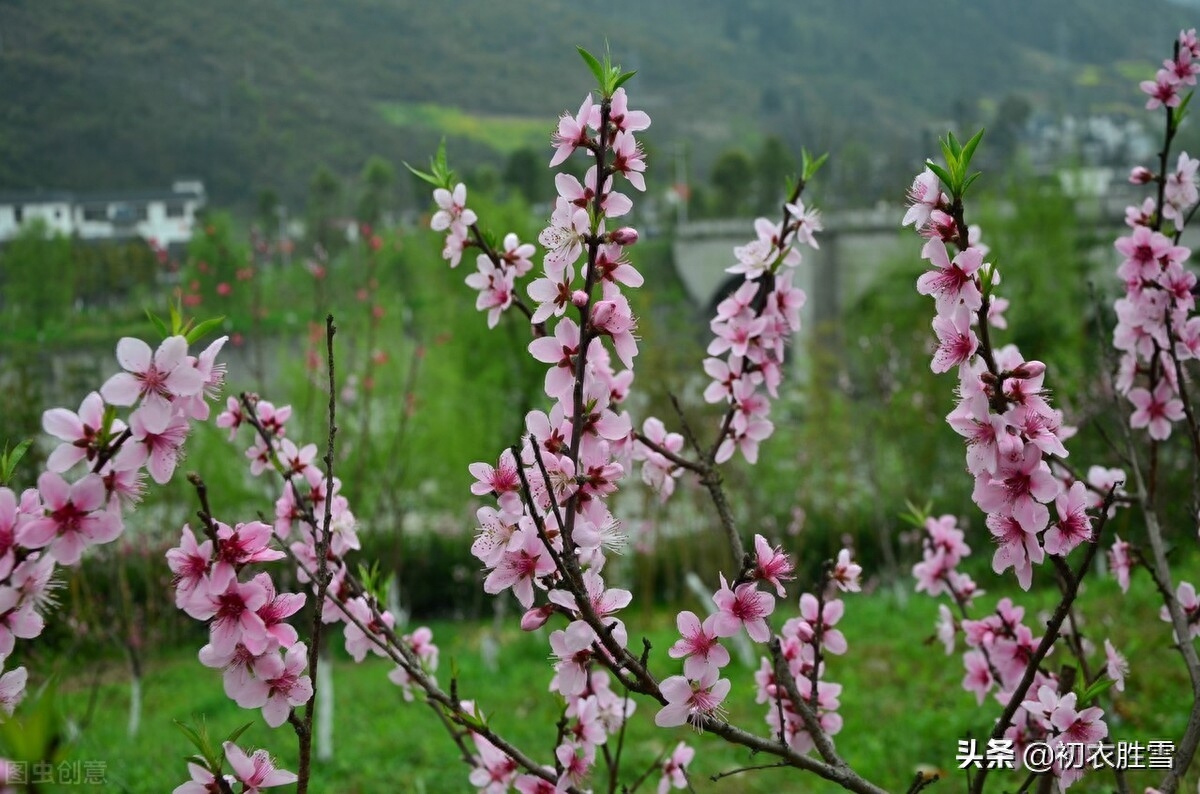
249, 94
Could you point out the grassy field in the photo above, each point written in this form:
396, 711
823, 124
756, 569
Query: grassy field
502, 133
902, 704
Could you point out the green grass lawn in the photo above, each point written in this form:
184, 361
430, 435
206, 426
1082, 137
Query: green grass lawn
505, 134
902, 703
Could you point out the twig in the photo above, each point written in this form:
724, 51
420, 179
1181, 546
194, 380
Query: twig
205, 512
740, 770
541, 464
321, 544
111, 450
688, 433
921, 782
674, 457
1052, 630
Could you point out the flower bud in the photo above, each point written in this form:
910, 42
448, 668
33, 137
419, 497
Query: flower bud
1028, 369
602, 312
1141, 175
536, 618
626, 235
579, 298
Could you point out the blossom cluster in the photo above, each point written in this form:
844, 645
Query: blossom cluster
753, 325
1054, 719
254, 772
999, 648
803, 641
550, 529
262, 659
1157, 328
1155, 323
308, 496
1013, 435
1176, 73
1016, 454
259, 653
547, 535
93, 476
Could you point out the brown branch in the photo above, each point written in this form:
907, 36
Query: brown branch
539, 329
402, 655
205, 512
922, 781
688, 433
586, 330
109, 452
1185, 750
740, 770
1052, 632
321, 545
674, 457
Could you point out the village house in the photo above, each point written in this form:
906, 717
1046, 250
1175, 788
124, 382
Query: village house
163, 218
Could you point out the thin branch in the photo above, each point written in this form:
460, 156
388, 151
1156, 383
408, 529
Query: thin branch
1052, 630
205, 512
740, 770
111, 450
674, 457
541, 464
688, 433
656, 764
1185, 750
321, 544
921, 782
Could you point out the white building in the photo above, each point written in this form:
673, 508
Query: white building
164, 218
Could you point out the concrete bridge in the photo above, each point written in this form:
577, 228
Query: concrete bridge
855, 247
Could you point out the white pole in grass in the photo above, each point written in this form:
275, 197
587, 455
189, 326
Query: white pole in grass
135, 689
135, 705
325, 708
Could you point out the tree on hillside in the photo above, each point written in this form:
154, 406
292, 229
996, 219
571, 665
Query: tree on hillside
324, 194
524, 172
772, 166
732, 178
378, 177
37, 277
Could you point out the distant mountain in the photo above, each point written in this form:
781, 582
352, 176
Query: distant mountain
249, 94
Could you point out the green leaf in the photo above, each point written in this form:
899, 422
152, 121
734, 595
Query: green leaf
439, 174
11, 459
948, 156
430, 178
970, 180
200, 740
110, 416
233, 737
203, 328
473, 718
968, 151
440, 166
620, 81
942, 174
916, 515
594, 65
987, 279
176, 320
811, 167
1096, 688
159, 325
1181, 111
954, 147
